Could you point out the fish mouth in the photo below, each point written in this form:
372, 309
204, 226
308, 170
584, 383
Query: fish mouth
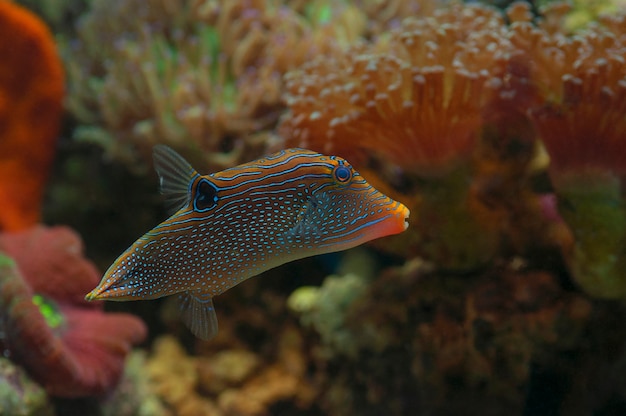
406, 214
396, 223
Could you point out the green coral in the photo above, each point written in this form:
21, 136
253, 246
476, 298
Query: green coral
134, 396
584, 12
326, 308
593, 206
19, 395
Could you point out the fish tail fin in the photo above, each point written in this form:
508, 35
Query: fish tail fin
198, 314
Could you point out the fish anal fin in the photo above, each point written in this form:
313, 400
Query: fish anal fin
198, 314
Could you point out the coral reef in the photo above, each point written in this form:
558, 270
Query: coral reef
497, 333
396, 84
133, 395
70, 347
31, 101
420, 94
19, 395
581, 123
325, 308
453, 105
203, 77
501, 130
584, 12
258, 364
231, 382
415, 340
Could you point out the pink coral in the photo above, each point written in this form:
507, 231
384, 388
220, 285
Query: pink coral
75, 349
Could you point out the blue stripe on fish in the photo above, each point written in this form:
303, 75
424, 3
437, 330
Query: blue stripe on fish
229, 226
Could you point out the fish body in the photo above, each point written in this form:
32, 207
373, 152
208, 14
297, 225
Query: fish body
229, 226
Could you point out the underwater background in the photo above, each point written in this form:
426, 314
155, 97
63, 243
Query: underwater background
500, 125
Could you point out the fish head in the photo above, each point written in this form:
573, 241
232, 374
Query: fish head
340, 209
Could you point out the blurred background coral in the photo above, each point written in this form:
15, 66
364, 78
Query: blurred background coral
499, 124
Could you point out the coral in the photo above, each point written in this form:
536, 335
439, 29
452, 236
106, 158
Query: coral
279, 381
385, 15
447, 110
59, 14
172, 376
19, 395
413, 103
231, 382
512, 116
425, 342
31, 94
226, 369
422, 76
70, 347
258, 364
133, 395
204, 82
583, 12
581, 123
324, 309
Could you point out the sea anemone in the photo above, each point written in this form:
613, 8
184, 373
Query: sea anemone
72, 348
31, 95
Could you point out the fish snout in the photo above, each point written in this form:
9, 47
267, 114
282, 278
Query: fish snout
404, 214
400, 219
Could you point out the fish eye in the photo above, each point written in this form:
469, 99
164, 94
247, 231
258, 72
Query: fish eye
206, 196
342, 174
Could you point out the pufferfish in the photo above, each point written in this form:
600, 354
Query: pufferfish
232, 225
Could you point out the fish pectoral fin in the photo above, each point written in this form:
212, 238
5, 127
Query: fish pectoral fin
198, 314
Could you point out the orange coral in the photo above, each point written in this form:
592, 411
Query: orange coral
417, 98
414, 103
31, 93
582, 121
581, 83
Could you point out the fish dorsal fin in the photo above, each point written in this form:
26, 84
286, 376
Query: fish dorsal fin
198, 314
175, 175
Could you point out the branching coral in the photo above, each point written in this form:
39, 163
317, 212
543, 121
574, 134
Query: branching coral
204, 80
31, 94
71, 348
